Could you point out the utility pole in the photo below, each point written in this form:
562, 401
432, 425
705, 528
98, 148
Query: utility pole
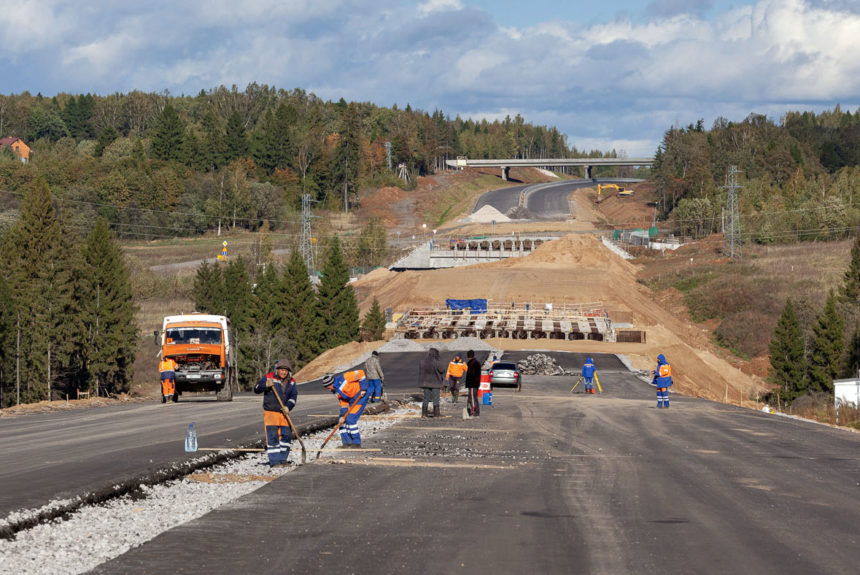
388, 154
306, 243
732, 231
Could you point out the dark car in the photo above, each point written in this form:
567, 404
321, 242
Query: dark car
505, 375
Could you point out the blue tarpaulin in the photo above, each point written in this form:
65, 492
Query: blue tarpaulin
475, 305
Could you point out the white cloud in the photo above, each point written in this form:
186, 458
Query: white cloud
621, 82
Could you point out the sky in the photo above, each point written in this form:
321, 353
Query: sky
609, 75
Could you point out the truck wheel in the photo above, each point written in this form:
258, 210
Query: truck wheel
225, 393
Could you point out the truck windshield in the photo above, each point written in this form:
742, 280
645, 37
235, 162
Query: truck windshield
192, 335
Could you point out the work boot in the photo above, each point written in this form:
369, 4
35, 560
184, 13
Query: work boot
436, 411
424, 412
454, 396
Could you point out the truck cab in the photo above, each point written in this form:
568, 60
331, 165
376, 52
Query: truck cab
202, 347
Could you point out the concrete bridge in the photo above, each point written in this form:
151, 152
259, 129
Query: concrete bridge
456, 252
587, 163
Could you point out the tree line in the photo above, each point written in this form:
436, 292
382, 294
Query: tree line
157, 165
66, 312
806, 359
800, 178
279, 312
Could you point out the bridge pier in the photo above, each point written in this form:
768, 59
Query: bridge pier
588, 172
506, 171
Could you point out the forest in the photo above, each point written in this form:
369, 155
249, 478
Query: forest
798, 178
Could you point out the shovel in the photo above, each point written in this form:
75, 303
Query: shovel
336, 427
293, 427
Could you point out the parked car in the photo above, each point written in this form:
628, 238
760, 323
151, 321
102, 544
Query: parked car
504, 374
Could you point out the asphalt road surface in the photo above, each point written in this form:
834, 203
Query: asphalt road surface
548, 201
67, 454
545, 481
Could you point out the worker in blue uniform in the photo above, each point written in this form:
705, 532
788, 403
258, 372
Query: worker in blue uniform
351, 391
588, 371
662, 379
279, 435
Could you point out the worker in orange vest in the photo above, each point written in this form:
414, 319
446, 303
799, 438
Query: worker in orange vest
351, 391
456, 370
167, 368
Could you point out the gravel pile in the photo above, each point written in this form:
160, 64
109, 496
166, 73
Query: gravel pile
486, 215
95, 534
541, 364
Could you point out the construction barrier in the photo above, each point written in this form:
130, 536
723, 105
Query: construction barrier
485, 395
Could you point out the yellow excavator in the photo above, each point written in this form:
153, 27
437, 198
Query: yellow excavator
619, 190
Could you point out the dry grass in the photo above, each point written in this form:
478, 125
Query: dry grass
820, 407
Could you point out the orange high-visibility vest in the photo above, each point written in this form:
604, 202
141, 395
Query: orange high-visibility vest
166, 365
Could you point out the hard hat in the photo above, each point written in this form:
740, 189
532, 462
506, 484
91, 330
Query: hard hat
328, 379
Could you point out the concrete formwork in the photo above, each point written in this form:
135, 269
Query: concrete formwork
565, 321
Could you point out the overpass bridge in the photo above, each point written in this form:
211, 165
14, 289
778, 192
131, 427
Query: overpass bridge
587, 163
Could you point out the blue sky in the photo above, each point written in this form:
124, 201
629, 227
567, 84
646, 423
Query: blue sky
611, 75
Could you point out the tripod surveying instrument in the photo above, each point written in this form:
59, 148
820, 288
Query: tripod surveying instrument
582, 379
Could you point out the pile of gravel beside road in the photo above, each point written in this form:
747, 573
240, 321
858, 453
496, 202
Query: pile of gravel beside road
97, 533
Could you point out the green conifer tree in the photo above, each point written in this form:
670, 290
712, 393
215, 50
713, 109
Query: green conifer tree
826, 349
338, 306
850, 289
852, 358
787, 356
109, 314
346, 166
237, 295
8, 315
208, 289
301, 310
373, 325
237, 145
167, 135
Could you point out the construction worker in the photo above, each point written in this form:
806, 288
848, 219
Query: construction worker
351, 391
473, 383
662, 379
167, 369
588, 371
430, 381
375, 377
456, 370
279, 436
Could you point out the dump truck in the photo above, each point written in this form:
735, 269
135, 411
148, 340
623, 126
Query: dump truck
203, 348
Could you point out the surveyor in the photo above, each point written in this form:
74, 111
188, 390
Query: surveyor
456, 371
167, 369
588, 371
351, 391
375, 377
662, 378
279, 436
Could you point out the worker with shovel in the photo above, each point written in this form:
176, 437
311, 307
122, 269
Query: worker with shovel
351, 391
278, 388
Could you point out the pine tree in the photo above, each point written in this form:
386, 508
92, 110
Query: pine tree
347, 156
208, 288
8, 315
826, 349
267, 338
301, 310
237, 295
852, 358
168, 135
850, 290
373, 325
236, 138
787, 356
109, 315
338, 306
38, 267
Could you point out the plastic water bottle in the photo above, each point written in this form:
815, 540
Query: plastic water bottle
191, 438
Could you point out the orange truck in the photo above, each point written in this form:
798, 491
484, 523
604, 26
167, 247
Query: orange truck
204, 351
